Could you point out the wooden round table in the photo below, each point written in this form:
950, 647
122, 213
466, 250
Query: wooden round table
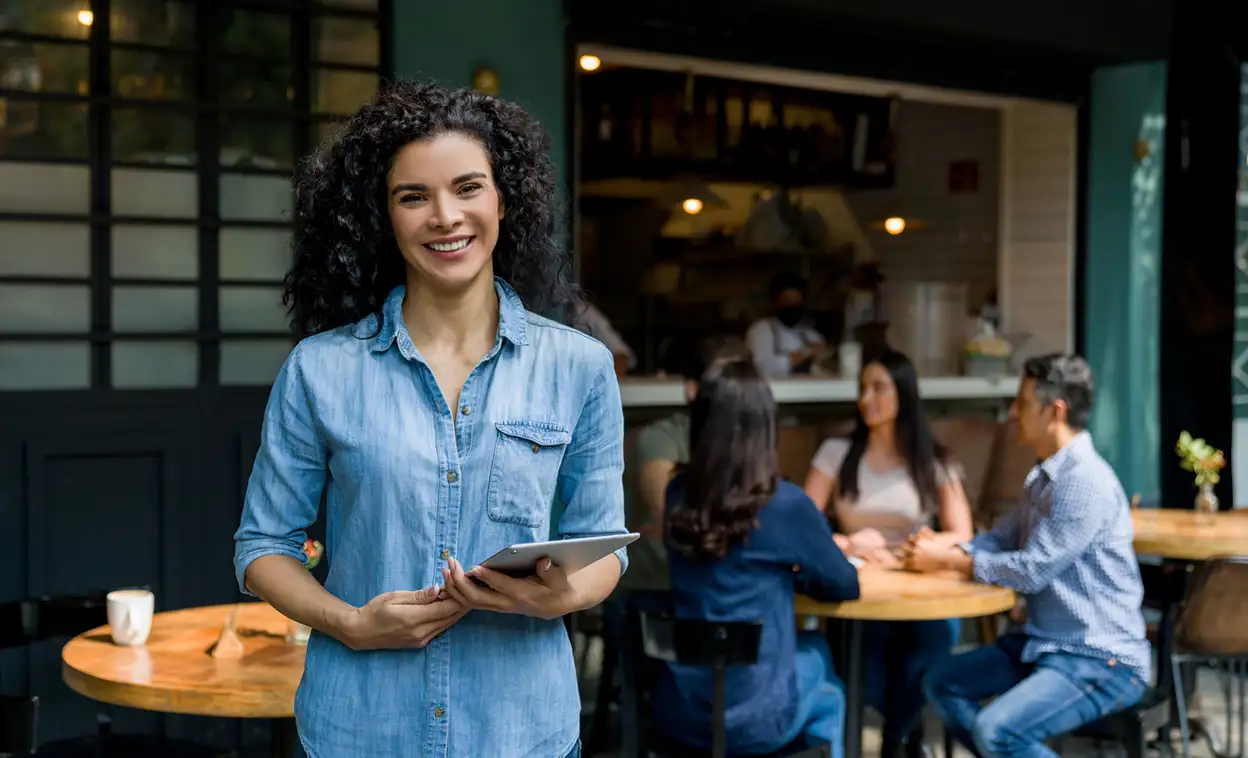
898, 595
176, 673
1188, 536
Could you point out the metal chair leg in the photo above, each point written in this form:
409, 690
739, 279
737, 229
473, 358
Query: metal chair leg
1176, 666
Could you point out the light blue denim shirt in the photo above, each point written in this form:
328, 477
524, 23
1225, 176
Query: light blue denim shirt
355, 412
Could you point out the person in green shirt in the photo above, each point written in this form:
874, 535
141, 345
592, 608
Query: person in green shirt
662, 446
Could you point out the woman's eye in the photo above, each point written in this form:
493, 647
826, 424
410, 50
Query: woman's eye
470, 189
410, 199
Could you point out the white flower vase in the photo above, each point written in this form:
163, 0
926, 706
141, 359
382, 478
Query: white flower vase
298, 634
1206, 504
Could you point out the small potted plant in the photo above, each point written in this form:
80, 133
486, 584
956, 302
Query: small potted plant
1205, 461
296, 633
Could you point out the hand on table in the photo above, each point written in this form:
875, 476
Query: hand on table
401, 619
866, 541
545, 595
882, 556
931, 554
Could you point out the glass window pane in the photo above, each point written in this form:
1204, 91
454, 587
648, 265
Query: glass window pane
258, 255
256, 198
36, 248
155, 365
252, 309
45, 365
252, 362
257, 144
153, 22
146, 192
155, 252
256, 83
43, 130
153, 136
44, 188
143, 75
57, 18
155, 309
45, 308
253, 33
345, 40
37, 67
341, 91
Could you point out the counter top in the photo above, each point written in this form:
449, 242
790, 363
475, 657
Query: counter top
642, 392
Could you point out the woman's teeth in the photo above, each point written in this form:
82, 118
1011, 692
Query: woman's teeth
450, 247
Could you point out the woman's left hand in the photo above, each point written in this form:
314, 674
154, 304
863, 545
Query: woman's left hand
546, 594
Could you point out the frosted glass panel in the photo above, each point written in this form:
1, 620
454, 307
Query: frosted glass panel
45, 365
260, 255
36, 248
156, 252
44, 188
255, 198
253, 362
45, 308
155, 309
252, 309
144, 192
155, 365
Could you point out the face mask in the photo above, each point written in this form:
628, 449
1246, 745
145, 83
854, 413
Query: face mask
789, 315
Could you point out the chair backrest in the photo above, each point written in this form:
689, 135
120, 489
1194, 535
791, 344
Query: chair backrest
1214, 617
694, 642
19, 725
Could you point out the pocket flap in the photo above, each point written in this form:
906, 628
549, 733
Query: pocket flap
546, 435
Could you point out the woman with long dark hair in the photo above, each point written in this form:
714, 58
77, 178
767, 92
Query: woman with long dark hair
887, 482
740, 543
442, 419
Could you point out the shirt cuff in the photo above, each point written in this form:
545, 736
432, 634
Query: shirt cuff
247, 555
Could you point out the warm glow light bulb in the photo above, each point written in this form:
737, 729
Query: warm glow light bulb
590, 62
894, 225
86, 18
692, 206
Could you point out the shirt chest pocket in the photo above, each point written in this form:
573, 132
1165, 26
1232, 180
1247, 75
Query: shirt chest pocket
524, 471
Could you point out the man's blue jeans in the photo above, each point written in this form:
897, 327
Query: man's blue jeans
1056, 694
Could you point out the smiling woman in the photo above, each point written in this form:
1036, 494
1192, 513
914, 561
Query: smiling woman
441, 418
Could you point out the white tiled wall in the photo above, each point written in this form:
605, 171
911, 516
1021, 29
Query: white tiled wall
959, 240
1038, 149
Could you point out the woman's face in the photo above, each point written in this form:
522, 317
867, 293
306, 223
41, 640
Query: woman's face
445, 209
877, 396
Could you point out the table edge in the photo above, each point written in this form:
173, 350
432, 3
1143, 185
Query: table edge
994, 600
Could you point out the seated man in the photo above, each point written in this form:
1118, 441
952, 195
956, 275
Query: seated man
1067, 550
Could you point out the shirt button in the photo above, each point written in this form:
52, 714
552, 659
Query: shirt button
446, 554
438, 712
466, 410
536, 447
451, 476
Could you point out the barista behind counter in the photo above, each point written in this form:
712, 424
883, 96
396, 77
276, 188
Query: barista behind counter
785, 344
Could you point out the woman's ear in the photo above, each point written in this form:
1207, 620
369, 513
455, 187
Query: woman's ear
502, 210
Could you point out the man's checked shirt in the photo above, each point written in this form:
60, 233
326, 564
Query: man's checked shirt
1067, 548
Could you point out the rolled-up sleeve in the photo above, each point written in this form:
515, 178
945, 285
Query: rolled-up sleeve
591, 477
287, 479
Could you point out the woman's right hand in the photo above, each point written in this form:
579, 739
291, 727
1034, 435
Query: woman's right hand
867, 541
401, 619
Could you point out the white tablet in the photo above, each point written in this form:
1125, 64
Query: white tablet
570, 555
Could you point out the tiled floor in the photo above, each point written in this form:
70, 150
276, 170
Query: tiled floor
1210, 695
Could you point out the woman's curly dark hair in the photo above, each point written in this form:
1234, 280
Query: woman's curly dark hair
733, 469
346, 259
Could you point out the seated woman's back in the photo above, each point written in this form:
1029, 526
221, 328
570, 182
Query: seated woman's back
741, 543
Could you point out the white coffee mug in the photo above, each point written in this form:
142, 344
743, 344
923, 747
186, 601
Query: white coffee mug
130, 615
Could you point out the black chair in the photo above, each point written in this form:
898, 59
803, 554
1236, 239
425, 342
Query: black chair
19, 725
715, 645
1132, 726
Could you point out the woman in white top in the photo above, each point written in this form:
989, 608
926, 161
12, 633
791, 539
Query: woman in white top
880, 486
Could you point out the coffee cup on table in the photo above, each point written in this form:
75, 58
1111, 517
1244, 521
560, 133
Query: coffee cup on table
130, 615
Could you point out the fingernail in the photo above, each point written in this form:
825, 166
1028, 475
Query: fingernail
474, 571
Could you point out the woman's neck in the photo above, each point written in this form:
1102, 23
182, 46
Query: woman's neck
881, 442
451, 320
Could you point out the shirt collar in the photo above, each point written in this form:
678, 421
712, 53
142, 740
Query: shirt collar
512, 321
1075, 449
